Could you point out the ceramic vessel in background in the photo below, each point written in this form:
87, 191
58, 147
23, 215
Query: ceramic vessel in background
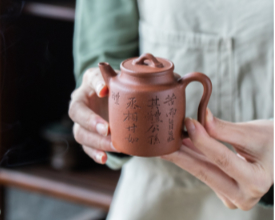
147, 105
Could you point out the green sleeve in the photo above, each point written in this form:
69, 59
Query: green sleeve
105, 31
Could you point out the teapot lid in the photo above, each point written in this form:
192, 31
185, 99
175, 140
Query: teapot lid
146, 64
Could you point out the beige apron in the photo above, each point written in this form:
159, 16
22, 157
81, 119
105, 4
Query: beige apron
232, 42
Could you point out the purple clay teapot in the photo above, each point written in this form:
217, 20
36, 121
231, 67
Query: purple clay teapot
147, 105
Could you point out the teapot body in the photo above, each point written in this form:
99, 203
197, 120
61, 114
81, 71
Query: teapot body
147, 105
146, 119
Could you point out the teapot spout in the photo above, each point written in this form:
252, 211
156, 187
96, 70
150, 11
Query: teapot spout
107, 72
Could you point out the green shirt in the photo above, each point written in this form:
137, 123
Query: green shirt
105, 31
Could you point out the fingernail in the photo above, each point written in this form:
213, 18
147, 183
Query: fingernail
102, 129
190, 124
209, 116
98, 157
99, 87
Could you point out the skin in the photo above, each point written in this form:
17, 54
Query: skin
239, 178
89, 111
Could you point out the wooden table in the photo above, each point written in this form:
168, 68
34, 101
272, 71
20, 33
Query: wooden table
93, 187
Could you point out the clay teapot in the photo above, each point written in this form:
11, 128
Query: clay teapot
147, 105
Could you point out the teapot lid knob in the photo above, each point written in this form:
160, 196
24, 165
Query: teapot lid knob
153, 62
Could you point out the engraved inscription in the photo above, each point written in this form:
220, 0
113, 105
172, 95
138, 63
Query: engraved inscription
132, 128
153, 117
153, 102
170, 137
170, 114
131, 139
132, 103
115, 97
153, 139
170, 99
171, 124
130, 116
153, 128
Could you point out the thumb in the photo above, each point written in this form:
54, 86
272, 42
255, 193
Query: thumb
232, 133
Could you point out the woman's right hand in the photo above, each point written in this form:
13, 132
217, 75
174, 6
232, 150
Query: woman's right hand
89, 111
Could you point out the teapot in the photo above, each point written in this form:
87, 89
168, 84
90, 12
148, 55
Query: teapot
147, 105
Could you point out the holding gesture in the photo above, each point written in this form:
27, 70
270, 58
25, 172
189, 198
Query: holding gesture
238, 178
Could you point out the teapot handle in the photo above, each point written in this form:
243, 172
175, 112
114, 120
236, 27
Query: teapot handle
207, 89
147, 56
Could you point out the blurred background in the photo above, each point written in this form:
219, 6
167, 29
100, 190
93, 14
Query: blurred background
44, 173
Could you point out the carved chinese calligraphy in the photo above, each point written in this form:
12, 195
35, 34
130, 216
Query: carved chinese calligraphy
115, 97
131, 116
132, 103
153, 102
169, 100
131, 139
154, 118
132, 128
153, 139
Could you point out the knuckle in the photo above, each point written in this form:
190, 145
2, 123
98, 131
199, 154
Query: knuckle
201, 176
223, 161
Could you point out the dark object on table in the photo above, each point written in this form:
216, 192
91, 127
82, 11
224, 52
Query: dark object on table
66, 154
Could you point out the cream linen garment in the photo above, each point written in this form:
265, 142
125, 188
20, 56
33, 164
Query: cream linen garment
232, 42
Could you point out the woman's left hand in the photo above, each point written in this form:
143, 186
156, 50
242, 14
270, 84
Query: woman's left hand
239, 179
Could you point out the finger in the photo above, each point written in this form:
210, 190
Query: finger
220, 130
207, 172
93, 140
216, 152
188, 143
93, 78
226, 201
81, 114
97, 155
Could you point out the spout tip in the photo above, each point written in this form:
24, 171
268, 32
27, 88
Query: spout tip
103, 64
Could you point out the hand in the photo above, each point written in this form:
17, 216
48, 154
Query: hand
90, 129
238, 178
